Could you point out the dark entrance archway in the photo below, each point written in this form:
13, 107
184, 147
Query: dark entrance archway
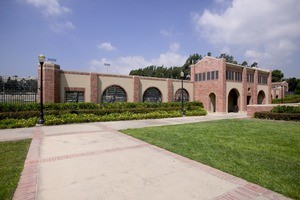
233, 101
212, 102
261, 97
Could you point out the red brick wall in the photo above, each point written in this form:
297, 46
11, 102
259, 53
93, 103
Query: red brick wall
51, 83
251, 109
202, 89
136, 91
94, 87
170, 90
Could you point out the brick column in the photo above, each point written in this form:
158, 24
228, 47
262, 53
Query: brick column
51, 83
136, 89
269, 101
170, 90
244, 89
94, 87
221, 101
254, 100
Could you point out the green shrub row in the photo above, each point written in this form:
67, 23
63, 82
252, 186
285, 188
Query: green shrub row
277, 116
12, 107
68, 118
104, 111
286, 109
287, 99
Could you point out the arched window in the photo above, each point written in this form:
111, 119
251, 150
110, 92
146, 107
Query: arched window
114, 93
152, 94
186, 96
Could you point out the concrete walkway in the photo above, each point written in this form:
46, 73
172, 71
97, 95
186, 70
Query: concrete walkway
95, 161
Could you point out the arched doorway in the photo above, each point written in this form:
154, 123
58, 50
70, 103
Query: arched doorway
186, 96
261, 97
114, 93
233, 101
212, 102
152, 94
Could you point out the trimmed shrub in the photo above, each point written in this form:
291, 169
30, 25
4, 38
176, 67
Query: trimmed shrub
278, 116
286, 109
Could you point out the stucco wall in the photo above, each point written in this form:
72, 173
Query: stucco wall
70, 80
160, 84
124, 82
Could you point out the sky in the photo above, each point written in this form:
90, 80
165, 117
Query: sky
83, 35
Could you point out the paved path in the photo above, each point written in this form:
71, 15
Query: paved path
95, 161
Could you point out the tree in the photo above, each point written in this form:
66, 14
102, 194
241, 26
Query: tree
228, 58
297, 90
245, 63
293, 82
208, 53
277, 75
254, 64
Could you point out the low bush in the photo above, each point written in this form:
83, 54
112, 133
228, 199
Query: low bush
12, 107
277, 116
290, 98
286, 109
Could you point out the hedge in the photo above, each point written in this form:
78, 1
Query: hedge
12, 107
99, 112
286, 109
277, 116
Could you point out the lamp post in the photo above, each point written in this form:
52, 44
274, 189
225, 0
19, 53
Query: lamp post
182, 109
41, 61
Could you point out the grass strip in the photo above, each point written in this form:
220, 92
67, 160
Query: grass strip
12, 157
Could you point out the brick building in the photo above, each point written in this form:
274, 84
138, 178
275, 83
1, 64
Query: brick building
221, 86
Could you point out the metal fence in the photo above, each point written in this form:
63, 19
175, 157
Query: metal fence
18, 97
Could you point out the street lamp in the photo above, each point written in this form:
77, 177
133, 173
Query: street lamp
41, 61
182, 109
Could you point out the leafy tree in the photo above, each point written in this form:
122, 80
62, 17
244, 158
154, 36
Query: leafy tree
245, 63
254, 64
277, 75
209, 54
297, 90
293, 82
228, 58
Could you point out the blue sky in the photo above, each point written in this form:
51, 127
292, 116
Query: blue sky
129, 34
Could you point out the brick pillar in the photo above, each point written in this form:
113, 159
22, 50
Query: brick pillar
170, 90
51, 83
254, 100
269, 99
136, 89
244, 89
94, 87
221, 101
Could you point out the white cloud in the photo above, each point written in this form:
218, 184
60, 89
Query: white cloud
62, 27
50, 7
124, 64
166, 33
106, 46
266, 30
174, 47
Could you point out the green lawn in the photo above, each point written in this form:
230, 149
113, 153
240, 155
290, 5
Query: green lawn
263, 152
12, 157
